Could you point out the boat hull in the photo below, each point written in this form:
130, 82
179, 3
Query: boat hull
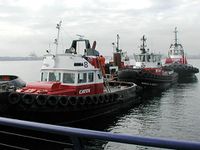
147, 79
184, 71
100, 105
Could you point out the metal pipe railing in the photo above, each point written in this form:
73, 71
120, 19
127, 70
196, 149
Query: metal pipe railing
77, 134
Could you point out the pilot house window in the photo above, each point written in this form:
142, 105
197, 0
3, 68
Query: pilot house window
82, 77
68, 77
90, 77
44, 76
54, 76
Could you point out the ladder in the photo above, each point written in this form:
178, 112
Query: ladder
106, 84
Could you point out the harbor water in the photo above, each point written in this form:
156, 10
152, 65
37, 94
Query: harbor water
173, 113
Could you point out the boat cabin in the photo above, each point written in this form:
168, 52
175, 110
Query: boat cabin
74, 71
69, 69
176, 52
147, 60
67, 74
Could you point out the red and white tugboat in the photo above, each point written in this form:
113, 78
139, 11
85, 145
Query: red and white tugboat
177, 61
148, 71
71, 89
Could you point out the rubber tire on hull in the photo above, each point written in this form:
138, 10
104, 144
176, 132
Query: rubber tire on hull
14, 98
63, 101
52, 100
41, 100
27, 99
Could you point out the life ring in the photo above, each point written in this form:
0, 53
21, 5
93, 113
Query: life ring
13, 98
27, 99
41, 100
72, 101
52, 100
63, 100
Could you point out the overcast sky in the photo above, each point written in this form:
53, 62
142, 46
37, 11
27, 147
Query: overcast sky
29, 25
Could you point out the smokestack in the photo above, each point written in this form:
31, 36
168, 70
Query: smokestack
117, 60
94, 45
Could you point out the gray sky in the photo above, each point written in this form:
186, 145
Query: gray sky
29, 25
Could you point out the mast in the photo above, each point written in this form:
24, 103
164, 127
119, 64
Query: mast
117, 54
176, 39
117, 48
58, 34
142, 47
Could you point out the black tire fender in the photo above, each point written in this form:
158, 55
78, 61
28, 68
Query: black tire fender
14, 98
88, 100
72, 101
63, 100
95, 100
52, 100
101, 99
27, 99
81, 100
41, 100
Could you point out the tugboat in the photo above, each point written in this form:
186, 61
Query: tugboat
120, 60
148, 70
10, 83
177, 61
71, 89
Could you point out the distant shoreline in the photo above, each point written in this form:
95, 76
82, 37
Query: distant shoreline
41, 58
20, 58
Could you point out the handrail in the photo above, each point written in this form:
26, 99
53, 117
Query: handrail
77, 134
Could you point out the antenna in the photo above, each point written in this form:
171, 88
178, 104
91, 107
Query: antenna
80, 36
58, 34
